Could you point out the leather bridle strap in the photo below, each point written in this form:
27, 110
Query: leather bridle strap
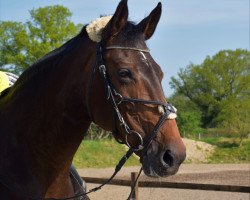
128, 48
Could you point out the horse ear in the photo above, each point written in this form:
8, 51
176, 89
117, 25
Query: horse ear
148, 24
118, 21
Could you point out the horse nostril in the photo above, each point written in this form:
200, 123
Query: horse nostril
168, 159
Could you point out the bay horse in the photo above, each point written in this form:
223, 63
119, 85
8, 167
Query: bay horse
104, 75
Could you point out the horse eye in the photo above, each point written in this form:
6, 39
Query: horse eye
124, 73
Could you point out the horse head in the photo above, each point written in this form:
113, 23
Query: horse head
130, 100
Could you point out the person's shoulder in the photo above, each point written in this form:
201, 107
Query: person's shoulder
4, 81
12, 78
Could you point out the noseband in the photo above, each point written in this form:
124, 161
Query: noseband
116, 99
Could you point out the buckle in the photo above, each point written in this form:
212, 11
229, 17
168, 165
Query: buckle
102, 69
118, 97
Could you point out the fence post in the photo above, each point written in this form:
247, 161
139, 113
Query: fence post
134, 186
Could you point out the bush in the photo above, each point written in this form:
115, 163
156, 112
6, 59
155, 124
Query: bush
97, 133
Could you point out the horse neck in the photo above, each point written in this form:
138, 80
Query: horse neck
49, 116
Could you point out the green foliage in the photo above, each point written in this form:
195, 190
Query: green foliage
235, 117
13, 37
97, 133
189, 115
229, 150
216, 85
107, 153
98, 154
24, 43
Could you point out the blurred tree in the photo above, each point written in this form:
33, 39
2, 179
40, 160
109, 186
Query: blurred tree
21, 44
97, 133
235, 117
189, 116
216, 83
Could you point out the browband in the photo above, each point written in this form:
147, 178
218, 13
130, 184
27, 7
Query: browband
127, 48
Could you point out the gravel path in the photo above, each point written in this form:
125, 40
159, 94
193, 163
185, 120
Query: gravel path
230, 174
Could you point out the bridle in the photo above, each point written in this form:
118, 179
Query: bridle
115, 98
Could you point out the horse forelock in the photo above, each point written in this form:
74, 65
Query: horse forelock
94, 29
130, 32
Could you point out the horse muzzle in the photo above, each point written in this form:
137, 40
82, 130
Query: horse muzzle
162, 163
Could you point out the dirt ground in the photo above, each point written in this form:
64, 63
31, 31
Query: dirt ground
228, 174
197, 151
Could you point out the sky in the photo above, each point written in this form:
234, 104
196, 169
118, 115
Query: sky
188, 31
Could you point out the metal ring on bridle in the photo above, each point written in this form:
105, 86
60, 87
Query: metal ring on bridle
140, 146
102, 68
118, 98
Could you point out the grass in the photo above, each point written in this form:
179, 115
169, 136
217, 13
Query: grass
228, 150
107, 153
99, 154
